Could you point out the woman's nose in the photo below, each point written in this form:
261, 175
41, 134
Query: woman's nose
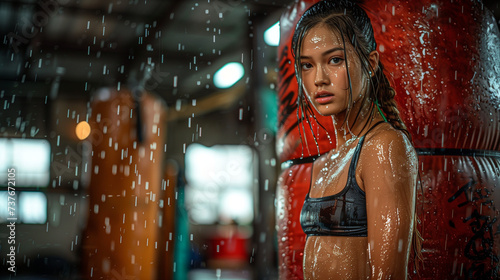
322, 77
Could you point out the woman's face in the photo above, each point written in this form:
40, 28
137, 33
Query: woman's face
324, 73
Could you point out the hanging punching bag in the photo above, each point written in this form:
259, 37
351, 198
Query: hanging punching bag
444, 62
128, 140
444, 59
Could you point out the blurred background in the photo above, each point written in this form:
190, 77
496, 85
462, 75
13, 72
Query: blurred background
142, 133
208, 69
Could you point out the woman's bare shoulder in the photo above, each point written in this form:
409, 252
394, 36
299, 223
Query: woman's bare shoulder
387, 156
386, 142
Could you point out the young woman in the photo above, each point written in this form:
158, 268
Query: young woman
360, 210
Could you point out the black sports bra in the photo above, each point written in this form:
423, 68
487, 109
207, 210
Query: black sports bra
341, 214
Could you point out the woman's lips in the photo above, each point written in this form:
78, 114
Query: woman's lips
323, 97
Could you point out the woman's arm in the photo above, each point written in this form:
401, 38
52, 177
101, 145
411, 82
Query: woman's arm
388, 174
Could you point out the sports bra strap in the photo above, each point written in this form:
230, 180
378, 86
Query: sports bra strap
355, 157
373, 127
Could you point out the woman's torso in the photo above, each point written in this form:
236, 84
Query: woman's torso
337, 257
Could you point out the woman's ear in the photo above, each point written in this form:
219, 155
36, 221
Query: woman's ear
373, 58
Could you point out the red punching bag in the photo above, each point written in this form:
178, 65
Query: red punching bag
444, 59
444, 62
296, 148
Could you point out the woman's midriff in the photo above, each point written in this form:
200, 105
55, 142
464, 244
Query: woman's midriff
336, 257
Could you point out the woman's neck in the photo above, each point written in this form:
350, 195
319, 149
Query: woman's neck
359, 121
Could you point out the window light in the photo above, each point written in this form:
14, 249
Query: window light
29, 157
221, 180
33, 208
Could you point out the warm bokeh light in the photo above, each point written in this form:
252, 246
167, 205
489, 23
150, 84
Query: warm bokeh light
82, 130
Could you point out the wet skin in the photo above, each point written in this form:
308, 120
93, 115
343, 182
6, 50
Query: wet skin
386, 170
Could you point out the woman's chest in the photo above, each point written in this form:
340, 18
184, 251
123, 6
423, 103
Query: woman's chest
330, 173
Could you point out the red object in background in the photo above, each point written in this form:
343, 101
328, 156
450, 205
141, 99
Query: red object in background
444, 61
229, 248
293, 185
289, 145
294, 181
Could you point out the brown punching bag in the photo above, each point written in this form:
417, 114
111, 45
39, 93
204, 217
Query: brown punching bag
128, 141
443, 58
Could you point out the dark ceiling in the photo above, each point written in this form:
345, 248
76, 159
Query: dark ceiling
72, 47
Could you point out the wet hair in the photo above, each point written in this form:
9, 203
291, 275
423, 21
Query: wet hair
350, 22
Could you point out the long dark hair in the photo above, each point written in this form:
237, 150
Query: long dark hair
352, 24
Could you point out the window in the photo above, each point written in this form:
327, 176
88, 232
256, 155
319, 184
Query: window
29, 157
32, 208
221, 181
29, 207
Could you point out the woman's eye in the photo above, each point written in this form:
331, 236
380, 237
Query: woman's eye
335, 60
306, 66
